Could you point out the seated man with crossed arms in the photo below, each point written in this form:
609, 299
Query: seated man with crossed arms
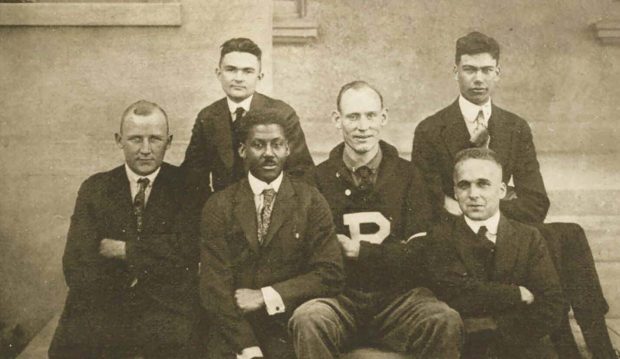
485, 264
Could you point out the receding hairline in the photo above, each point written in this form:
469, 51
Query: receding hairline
358, 85
460, 163
143, 108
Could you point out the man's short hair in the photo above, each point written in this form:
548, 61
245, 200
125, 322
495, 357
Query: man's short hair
476, 153
260, 117
356, 85
476, 43
240, 44
143, 108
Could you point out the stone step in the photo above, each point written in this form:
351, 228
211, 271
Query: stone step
603, 233
609, 275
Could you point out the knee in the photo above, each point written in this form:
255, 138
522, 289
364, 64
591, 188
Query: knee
312, 316
446, 319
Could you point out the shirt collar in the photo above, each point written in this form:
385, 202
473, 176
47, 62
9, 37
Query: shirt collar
352, 165
232, 106
259, 186
134, 177
491, 223
470, 110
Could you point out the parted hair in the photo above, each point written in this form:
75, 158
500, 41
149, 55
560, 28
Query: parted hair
476, 153
476, 43
240, 44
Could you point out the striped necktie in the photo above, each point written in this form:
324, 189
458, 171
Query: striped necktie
139, 202
264, 217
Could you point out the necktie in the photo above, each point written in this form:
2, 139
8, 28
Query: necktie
488, 251
480, 136
364, 173
264, 217
139, 202
238, 170
238, 114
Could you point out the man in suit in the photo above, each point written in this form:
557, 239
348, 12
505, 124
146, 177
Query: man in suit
375, 200
131, 272
268, 245
212, 159
486, 264
473, 120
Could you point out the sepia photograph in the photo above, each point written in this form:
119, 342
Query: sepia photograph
310, 179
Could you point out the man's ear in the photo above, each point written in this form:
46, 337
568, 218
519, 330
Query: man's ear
384, 117
504, 189
169, 142
217, 71
455, 70
498, 70
117, 139
261, 75
242, 150
336, 118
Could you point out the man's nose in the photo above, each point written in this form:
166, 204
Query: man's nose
268, 151
363, 123
145, 148
238, 76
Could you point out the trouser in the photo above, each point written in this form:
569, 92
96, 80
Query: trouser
414, 322
132, 325
574, 262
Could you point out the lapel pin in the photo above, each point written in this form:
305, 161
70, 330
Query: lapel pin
296, 235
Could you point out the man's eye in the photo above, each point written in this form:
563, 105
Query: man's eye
135, 139
257, 145
353, 116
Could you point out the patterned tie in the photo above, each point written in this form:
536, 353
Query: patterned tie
265, 214
238, 114
364, 173
480, 136
139, 202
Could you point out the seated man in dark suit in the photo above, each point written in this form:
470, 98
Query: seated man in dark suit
268, 245
474, 121
131, 271
375, 200
212, 159
486, 264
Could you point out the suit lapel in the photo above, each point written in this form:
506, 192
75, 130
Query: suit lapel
160, 198
455, 135
460, 236
506, 250
223, 135
500, 130
244, 211
283, 207
119, 194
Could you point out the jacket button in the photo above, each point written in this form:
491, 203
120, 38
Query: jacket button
347, 192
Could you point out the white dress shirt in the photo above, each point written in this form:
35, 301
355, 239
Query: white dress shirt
470, 112
135, 187
273, 300
491, 223
233, 106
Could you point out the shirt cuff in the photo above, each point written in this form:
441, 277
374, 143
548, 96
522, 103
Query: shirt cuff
251, 352
273, 301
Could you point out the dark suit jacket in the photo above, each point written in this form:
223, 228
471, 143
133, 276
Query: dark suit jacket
521, 259
441, 136
300, 257
162, 259
209, 157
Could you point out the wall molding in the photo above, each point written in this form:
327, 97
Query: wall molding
91, 14
608, 31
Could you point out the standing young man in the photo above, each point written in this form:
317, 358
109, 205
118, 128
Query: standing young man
212, 159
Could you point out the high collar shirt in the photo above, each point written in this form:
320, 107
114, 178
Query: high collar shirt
491, 223
233, 106
135, 187
259, 186
470, 111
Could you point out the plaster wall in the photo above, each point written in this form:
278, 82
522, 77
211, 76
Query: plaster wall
63, 91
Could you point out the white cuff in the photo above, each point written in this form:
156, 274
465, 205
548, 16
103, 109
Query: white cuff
251, 352
273, 301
